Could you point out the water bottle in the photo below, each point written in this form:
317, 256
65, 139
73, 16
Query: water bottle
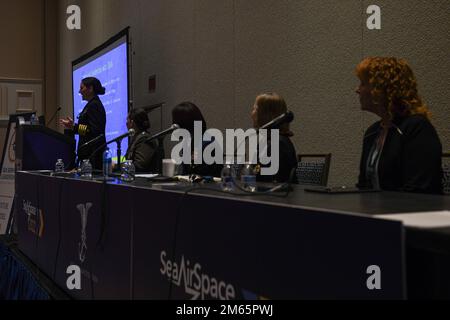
86, 169
248, 178
107, 163
59, 166
235, 163
34, 120
128, 171
227, 177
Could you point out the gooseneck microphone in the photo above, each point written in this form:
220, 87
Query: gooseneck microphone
286, 117
53, 116
118, 139
91, 142
169, 130
130, 133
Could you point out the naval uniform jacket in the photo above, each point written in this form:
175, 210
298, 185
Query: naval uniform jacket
91, 124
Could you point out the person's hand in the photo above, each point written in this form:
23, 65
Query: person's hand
67, 123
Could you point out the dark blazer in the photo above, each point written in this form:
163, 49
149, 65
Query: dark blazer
287, 162
411, 156
91, 124
145, 156
203, 169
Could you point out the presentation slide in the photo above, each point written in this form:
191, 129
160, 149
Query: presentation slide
110, 66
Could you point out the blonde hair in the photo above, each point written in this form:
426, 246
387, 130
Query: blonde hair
395, 78
270, 106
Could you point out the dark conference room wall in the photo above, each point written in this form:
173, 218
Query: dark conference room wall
222, 53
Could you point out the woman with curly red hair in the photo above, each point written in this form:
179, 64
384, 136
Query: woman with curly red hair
402, 151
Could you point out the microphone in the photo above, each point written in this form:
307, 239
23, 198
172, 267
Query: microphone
118, 139
130, 133
286, 117
171, 129
90, 142
53, 116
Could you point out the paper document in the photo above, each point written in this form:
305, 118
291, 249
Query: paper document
146, 175
434, 219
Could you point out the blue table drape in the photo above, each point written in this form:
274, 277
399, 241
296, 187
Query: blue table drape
16, 281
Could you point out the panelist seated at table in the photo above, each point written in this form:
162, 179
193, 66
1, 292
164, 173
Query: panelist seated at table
144, 154
401, 151
185, 114
91, 122
267, 107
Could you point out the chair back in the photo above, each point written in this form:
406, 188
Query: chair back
446, 173
313, 169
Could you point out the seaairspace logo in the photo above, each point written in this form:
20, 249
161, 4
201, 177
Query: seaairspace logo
35, 218
83, 209
197, 284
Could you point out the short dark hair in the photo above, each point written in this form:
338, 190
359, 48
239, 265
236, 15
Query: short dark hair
140, 119
95, 84
185, 113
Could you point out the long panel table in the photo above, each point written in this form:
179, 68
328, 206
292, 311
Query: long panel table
172, 241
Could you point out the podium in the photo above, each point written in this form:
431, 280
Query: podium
28, 147
39, 147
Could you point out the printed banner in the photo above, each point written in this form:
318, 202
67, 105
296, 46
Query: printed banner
7, 177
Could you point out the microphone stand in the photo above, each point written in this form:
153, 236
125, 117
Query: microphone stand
53, 117
119, 149
119, 152
91, 142
95, 152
